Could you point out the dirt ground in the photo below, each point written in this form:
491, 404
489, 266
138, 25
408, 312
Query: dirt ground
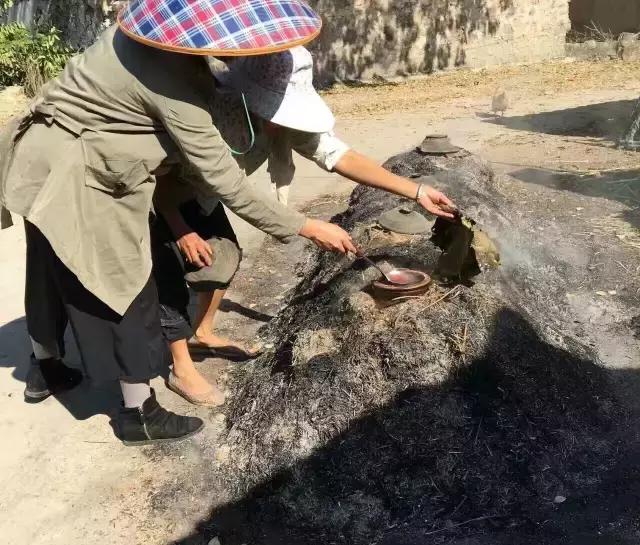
66, 480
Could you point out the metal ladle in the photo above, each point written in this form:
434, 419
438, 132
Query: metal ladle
393, 276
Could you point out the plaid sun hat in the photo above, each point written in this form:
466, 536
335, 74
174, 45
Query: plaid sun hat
220, 27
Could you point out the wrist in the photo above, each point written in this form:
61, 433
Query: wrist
177, 225
411, 190
307, 225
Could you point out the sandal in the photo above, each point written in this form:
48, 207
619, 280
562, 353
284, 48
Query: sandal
211, 398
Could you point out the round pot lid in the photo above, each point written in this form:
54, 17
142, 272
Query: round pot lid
404, 221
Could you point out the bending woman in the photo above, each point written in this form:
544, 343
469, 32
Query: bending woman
81, 170
266, 108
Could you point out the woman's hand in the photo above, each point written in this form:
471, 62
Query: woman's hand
328, 236
195, 250
437, 203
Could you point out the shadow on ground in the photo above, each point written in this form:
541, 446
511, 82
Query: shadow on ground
389, 478
621, 186
84, 401
231, 306
607, 120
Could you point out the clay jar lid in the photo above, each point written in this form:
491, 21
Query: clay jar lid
437, 144
404, 221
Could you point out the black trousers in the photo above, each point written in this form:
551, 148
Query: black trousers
169, 266
112, 347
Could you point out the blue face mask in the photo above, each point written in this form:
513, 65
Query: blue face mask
251, 131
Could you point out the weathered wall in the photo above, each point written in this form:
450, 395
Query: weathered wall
397, 37
362, 38
613, 16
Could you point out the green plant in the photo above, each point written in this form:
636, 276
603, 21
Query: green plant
30, 58
5, 5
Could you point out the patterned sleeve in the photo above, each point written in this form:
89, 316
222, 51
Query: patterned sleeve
325, 149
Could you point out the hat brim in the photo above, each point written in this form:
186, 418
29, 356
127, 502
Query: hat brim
311, 31
218, 52
299, 110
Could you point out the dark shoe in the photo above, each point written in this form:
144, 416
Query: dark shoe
49, 377
152, 424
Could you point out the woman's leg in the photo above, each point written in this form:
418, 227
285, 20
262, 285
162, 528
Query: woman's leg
46, 322
208, 305
49, 351
128, 347
134, 394
134, 341
173, 295
187, 380
169, 270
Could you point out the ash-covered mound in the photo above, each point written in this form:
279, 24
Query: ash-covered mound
474, 405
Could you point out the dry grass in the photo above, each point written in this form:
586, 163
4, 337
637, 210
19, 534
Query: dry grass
435, 416
616, 226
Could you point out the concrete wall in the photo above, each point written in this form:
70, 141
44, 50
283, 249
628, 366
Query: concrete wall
613, 16
398, 37
362, 38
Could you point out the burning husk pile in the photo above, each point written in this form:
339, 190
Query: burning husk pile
474, 401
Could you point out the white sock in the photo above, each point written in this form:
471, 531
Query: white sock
135, 394
42, 352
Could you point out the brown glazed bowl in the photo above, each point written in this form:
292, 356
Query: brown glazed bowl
419, 285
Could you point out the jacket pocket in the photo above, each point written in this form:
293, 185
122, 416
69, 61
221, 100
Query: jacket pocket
118, 178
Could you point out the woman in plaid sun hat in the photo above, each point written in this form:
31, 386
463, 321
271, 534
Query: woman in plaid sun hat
81, 166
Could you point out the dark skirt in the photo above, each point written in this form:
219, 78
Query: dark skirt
112, 347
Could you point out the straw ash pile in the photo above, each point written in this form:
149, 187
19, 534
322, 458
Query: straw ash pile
365, 422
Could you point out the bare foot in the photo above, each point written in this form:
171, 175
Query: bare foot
209, 340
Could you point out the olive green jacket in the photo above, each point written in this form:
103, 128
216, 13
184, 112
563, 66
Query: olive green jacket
134, 110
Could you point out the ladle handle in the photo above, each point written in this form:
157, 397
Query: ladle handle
361, 255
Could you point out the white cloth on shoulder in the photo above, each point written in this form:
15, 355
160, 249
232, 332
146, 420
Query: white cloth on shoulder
324, 149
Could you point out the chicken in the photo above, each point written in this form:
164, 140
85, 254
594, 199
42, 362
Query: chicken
500, 103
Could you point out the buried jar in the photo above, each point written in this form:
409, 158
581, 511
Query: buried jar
466, 252
416, 283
